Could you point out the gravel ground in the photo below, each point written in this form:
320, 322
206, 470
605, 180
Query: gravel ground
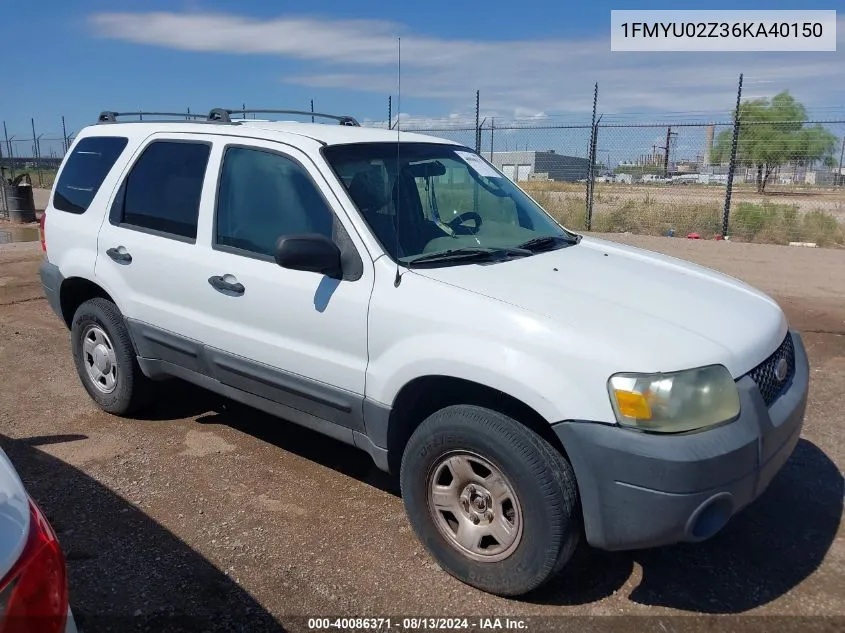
208, 516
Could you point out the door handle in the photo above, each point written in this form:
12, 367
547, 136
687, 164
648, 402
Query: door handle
120, 255
227, 284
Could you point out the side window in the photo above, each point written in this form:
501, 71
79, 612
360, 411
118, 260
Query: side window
263, 196
86, 168
162, 191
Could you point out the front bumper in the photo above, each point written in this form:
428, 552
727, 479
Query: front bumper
643, 490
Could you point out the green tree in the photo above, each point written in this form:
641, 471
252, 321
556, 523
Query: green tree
772, 133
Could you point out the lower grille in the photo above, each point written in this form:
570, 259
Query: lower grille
773, 374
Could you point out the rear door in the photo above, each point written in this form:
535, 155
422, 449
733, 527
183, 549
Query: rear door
74, 215
147, 252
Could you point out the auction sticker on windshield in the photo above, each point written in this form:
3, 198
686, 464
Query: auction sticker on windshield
478, 165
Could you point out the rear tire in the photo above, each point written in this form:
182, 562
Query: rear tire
494, 503
105, 359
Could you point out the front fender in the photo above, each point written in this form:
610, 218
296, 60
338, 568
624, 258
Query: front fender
548, 389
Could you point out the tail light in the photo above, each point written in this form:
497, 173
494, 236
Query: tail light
42, 230
33, 595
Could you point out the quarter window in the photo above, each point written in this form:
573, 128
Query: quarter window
263, 196
162, 191
86, 168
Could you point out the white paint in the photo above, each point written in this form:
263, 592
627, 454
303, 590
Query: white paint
548, 329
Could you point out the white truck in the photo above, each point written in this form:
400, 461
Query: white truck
396, 292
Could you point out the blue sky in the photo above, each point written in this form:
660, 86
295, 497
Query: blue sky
529, 58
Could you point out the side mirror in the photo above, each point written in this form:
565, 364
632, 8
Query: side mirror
309, 252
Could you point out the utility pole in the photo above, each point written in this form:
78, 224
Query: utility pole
669, 134
312, 110
390, 112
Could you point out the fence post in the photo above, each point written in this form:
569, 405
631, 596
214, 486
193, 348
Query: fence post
732, 164
9, 150
64, 134
588, 217
492, 127
840, 177
477, 125
312, 110
36, 154
3, 184
390, 112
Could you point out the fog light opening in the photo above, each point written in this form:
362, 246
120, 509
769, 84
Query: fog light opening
710, 517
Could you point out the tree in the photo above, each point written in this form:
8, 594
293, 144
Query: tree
773, 133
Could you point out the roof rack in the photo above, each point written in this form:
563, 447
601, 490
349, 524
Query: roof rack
111, 117
223, 115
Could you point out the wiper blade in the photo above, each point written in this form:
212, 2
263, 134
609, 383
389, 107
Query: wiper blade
541, 243
466, 253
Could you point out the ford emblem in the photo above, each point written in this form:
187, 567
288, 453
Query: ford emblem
781, 369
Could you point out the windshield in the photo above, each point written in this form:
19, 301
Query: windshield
447, 197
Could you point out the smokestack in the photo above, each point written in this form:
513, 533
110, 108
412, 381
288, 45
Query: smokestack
708, 145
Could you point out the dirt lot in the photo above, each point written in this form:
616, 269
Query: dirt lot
208, 516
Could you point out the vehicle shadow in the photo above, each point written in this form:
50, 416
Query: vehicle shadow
174, 399
125, 571
313, 446
763, 552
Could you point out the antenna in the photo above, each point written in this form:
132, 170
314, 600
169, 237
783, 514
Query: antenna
398, 279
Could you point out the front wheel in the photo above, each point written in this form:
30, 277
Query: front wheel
492, 501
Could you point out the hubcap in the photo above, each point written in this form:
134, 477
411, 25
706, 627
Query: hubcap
99, 358
474, 506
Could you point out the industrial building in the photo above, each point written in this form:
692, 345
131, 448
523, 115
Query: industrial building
534, 165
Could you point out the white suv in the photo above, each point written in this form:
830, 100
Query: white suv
398, 293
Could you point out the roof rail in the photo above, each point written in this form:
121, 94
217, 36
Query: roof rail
224, 115
111, 117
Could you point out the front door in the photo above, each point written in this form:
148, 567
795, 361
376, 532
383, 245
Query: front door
298, 338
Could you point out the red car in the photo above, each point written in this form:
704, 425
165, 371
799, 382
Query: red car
33, 575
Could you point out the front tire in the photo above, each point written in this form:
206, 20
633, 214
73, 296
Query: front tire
493, 502
105, 359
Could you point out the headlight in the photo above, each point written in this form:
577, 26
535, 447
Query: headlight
674, 402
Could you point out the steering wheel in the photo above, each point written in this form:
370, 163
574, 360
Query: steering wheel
457, 223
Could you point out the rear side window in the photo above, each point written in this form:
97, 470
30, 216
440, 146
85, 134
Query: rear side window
84, 172
162, 191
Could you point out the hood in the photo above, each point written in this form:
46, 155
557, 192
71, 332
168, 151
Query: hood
14, 515
671, 313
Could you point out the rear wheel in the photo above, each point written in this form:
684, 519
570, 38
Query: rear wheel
492, 501
105, 359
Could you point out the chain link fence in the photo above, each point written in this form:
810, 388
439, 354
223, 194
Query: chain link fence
744, 177
784, 182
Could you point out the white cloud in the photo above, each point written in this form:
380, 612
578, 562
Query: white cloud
517, 78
